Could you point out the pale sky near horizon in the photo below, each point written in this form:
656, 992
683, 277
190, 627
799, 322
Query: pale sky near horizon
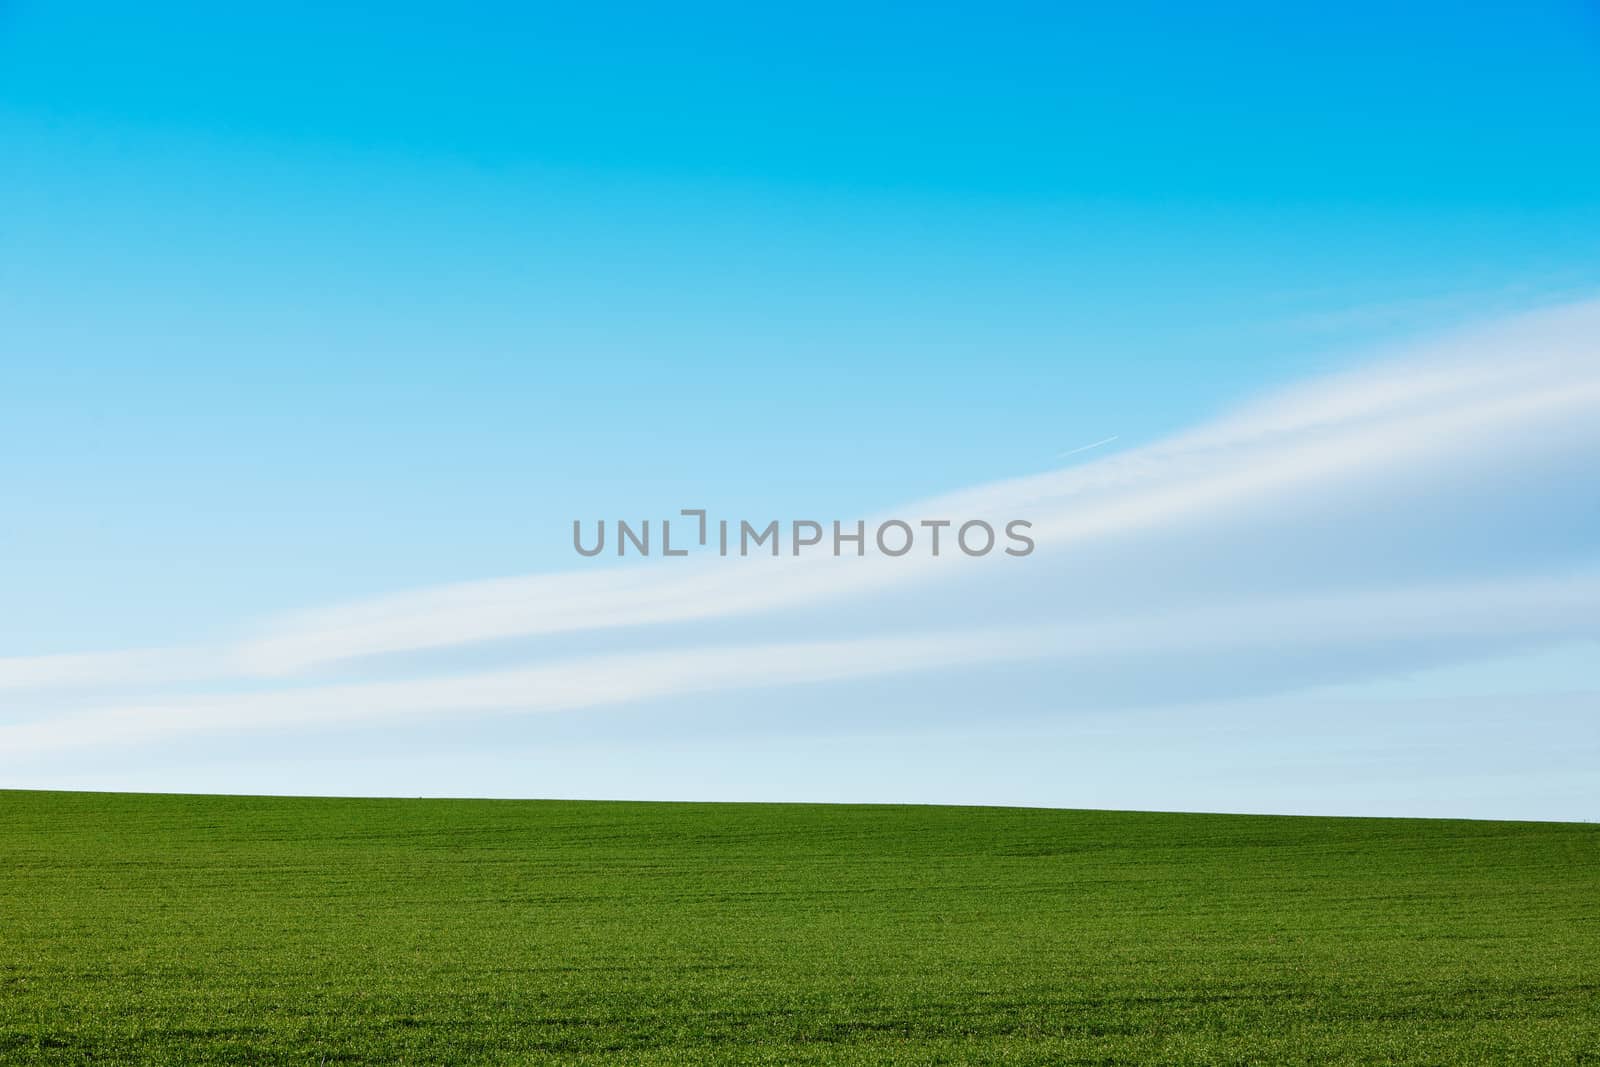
318, 327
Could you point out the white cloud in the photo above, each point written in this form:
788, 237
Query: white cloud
91, 669
1530, 609
1434, 408
1264, 512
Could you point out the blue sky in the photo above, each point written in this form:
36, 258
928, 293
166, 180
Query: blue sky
312, 306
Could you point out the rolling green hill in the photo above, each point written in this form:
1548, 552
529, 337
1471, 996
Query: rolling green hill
188, 929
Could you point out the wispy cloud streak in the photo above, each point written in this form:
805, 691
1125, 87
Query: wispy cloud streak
1476, 421
1536, 609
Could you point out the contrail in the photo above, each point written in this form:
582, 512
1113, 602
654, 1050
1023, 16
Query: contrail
1085, 448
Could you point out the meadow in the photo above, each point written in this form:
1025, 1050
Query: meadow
251, 930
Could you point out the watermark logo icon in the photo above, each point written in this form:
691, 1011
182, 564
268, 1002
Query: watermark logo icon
741, 537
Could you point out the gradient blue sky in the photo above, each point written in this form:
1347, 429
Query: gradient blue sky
309, 305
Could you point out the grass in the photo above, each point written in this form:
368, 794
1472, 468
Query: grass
189, 929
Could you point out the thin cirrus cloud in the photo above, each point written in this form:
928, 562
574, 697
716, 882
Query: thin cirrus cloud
1433, 409
1520, 611
1364, 509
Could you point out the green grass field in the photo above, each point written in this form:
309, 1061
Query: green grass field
177, 929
